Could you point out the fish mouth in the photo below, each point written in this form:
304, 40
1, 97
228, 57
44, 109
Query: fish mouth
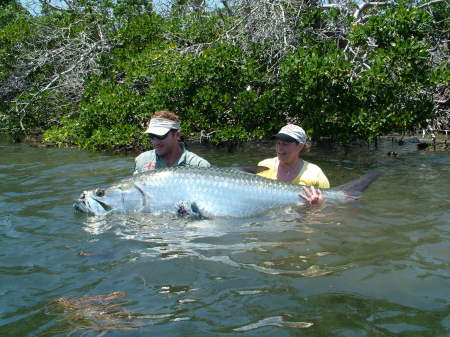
84, 204
80, 205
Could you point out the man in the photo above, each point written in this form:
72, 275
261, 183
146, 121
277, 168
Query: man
288, 166
169, 151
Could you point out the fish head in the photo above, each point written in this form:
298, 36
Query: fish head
100, 201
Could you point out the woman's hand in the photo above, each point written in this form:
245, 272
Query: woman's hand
312, 196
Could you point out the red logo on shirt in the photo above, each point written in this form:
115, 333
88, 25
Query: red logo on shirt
150, 166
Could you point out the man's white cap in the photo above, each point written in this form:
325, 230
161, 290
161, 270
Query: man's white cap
292, 132
160, 126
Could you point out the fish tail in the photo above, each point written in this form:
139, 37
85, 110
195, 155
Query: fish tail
354, 188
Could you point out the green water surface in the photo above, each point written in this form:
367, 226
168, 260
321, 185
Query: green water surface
377, 267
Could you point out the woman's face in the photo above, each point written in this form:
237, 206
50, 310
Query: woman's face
287, 151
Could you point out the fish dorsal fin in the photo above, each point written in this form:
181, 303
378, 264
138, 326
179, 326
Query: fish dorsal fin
250, 169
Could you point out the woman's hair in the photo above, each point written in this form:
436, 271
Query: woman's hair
165, 114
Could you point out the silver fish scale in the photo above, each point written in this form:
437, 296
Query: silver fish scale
214, 191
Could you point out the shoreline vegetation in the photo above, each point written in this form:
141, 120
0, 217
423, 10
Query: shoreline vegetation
441, 142
89, 74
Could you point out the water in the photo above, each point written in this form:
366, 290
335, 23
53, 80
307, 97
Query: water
378, 267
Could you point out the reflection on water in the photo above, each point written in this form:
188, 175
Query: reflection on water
376, 267
277, 321
237, 242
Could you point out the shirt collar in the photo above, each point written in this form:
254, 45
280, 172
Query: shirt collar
179, 162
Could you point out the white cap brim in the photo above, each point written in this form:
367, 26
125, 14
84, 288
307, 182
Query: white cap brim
157, 130
160, 126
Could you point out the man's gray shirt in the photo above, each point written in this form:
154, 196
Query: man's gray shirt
149, 160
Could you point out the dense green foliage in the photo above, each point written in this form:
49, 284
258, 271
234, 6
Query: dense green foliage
220, 89
14, 27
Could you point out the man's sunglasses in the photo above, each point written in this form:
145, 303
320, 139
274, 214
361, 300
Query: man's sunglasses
152, 136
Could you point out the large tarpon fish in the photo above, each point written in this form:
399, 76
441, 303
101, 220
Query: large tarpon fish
207, 192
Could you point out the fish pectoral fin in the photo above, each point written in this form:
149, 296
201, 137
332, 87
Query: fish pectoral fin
188, 210
196, 211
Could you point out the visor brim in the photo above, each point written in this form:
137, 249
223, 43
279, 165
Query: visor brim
158, 131
286, 138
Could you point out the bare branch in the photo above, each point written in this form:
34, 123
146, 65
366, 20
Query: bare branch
365, 5
227, 7
433, 2
55, 61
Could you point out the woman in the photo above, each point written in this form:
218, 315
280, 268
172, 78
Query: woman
288, 166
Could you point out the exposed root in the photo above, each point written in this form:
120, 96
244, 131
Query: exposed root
96, 313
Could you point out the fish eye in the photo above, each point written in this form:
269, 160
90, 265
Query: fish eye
99, 192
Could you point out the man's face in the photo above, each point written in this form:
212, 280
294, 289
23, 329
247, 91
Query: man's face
165, 144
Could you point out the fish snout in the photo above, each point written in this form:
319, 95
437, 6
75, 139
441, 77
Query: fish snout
80, 203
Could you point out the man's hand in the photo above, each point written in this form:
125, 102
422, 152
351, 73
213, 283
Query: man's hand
312, 196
